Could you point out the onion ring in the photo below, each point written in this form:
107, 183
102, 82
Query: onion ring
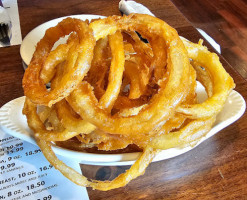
78, 63
109, 90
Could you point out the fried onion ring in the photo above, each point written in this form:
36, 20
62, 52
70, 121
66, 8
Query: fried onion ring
78, 63
109, 90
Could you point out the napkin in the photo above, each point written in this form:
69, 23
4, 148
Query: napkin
9, 14
127, 7
5, 29
4, 17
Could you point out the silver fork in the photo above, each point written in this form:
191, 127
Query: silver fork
5, 26
4, 35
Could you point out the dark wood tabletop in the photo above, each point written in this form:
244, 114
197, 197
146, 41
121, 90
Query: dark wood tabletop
216, 169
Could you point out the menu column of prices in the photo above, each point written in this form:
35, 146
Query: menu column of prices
26, 174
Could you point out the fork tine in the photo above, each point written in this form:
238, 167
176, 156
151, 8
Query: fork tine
1, 32
5, 30
4, 36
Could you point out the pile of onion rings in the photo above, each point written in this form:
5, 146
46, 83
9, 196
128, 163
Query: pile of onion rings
110, 90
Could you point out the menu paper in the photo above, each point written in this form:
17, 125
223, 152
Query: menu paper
26, 174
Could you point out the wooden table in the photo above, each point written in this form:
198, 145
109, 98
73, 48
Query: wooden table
215, 169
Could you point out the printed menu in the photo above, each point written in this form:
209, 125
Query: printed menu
26, 174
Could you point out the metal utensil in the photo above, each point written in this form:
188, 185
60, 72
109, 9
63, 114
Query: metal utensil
5, 26
4, 35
